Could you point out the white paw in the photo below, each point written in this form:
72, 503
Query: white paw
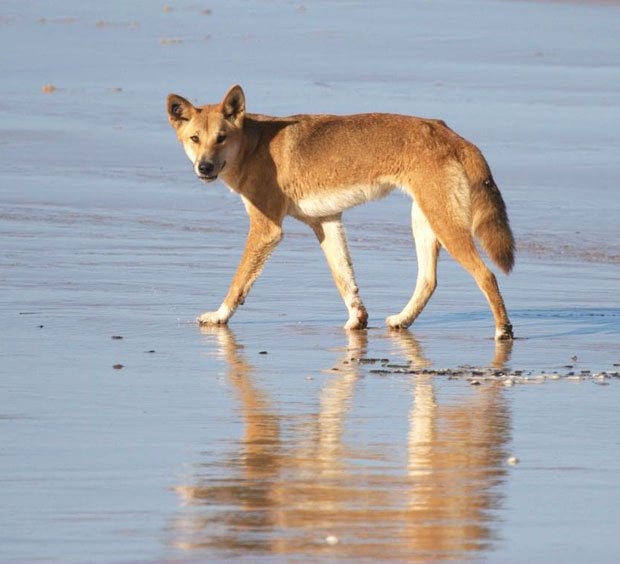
212, 318
504, 333
397, 322
354, 323
358, 319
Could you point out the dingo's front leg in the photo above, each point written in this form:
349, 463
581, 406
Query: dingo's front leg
263, 237
330, 233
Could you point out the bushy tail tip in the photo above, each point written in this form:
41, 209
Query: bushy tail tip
491, 226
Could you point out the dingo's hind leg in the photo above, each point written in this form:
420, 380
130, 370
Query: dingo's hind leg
427, 250
466, 254
331, 236
457, 239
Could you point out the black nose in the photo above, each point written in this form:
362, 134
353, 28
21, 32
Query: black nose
206, 168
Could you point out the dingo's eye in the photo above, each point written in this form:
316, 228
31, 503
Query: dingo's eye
195, 138
220, 138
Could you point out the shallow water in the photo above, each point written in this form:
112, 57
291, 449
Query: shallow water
284, 438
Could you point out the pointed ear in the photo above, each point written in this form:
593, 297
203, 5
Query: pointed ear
179, 109
233, 105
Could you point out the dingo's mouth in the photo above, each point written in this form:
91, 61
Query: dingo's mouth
212, 177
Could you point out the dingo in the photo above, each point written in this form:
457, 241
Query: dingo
313, 167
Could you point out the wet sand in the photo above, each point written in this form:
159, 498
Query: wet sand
130, 435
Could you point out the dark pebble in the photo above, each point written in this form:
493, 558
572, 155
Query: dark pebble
117, 337
117, 366
370, 360
262, 352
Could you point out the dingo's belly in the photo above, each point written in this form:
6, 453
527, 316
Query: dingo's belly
335, 200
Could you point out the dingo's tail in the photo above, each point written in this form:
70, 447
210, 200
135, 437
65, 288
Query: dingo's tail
490, 223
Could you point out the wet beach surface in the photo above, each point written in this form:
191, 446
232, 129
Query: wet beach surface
131, 435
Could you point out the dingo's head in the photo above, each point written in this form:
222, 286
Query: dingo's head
211, 134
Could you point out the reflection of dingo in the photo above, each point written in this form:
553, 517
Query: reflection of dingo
293, 479
313, 167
